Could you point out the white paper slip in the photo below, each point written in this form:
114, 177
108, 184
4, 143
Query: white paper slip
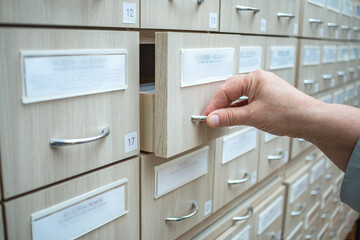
357, 11
282, 57
129, 12
299, 187
329, 55
343, 53
268, 137
354, 53
311, 55
200, 66
80, 215
250, 59
270, 214
317, 170
239, 143
244, 234
334, 5
347, 8
213, 20
320, 3
49, 75
178, 172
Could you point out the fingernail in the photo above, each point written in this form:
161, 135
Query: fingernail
214, 121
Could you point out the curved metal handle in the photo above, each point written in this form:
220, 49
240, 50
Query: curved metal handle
54, 142
302, 208
327, 77
285, 15
247, 177
200, 1
345, 27
247, 215
325, 214
244, 8
356, 29
312, 235
309, 81
332, 25
335, 200
276, 157
316, 191
329, 176
315, 21
341, 73
301, 140
198, 118
178, 219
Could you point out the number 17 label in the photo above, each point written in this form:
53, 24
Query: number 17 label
131, 142
129, 12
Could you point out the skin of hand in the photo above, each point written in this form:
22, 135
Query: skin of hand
276, 107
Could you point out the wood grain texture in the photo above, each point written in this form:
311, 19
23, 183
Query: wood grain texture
311, 11
27, 160
147, 109
181, 15
107, 13
298, 146
173, 204
223, 192
331, 17
18, 211
174, 105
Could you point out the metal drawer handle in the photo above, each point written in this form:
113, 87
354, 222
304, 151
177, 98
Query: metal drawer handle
312, 235
325, 215
309, 158
198, 118
244, 8
332, 25
315, 21
356, 29
327, 77
246, 178
276, 157
285, 15
329, 176
301, 140
247, 215
54, 142
307, 81
200, 1
302, 208
316, 192
177, 219
335, 200
345, 27
341, 73
274, 236
351, 70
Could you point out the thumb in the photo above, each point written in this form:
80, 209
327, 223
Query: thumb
229, 117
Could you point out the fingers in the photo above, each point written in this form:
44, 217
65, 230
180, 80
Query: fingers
230, 117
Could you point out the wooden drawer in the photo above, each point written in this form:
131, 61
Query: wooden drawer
312, 215
325, 97
339, 95
299, 145
349, 92
274, 153
58, 211
281, 57
177, 96
164, 14
176, 193
252, 54
110, 13
332, 24
27, 128
236, 164
296, 233
243, 16
328, 64
316, 180
312, 23
283, 17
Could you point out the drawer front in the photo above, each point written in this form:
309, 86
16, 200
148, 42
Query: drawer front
251, 54
236, 165
61, 203
200, 15
281, 57
296, 233
176, 100
332, 24
175, 188
314, 18
26, 127
274, 153
283, 17
112, 13
243, 16
328, 67
299, 145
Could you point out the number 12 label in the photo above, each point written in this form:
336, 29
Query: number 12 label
129, 12
131, 142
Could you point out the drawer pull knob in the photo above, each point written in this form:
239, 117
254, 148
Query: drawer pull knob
327, 77
341, 74
276, 157
316, 192
312, 234
302, 208
246, 178
301, 140
178, 219
310, 158
315, 21
198, 118
356, 29
309, 82
345, 27
54, 142
335, 200
247, 215
243, 8
325, 215
200, 1
329, 176
332, 25
285, 15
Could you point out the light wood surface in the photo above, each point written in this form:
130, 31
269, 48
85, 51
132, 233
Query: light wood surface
28, 162
173, 204
311, 11
2, 232
298, 146
18, 211
147, 109
185, 15
67, 12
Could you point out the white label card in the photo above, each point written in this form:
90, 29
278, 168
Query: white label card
333, 5
131, 142
178, 172
129, 12
250, 59
244, 234
200, 66
357, 11
80, 215
347, 8
343, 54
282, 57
320, 3
49, 75
239, 143
299, 187
329, 55
296, 29
213, 20
270, 214
253, 178
311, 55
337, 33
207, 207
317, 170
263, 25
268, 137
321, 32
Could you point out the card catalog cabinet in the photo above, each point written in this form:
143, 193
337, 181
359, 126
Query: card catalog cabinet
111, 13
185, 15
312, 18
63, 207
298, 145
177, 95
328, 69
36, 130
176, 193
